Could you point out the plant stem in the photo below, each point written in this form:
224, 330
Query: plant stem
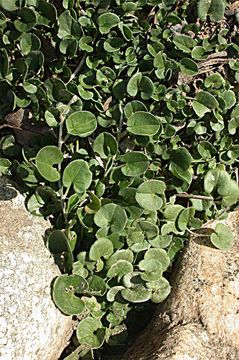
192, 196
195, 234
60, 143
78, 68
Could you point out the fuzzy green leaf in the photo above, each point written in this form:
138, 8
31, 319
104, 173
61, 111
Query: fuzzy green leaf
78, 175
81, 123
46, 158
222, 238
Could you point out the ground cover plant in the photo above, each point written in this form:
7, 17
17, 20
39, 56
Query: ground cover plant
120, 120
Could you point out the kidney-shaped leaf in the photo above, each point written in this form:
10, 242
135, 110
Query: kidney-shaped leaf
133, 84
81, 123
134, 106
150, 195
59, 245
102, 247
152, 269
143, 123
9, 5
136, 163
188, 66
138, 294
26, 20
119, 269
105, 145
45, 159
160, 255
124, 254
107, 21
90, 332
111, 294
133, 279
214, 8
161, 289
204, 102
29, 42
184, 42
64, 289
146, 87
222, 238
97, 286
112, 216
180, 163
78, 174
184, 218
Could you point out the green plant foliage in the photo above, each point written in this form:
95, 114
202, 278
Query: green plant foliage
101, 248
105, 145
45, 159
90, 332
81, 123
150, 195
78, 174
222, 238
161, 289
214, 8
64, 290
143, 123
112, 216
129, 142
136, 163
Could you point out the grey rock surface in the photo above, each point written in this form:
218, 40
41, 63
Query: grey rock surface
31, 327
200, 318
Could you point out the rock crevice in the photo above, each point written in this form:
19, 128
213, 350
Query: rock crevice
200, 319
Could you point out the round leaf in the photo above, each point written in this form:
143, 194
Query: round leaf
105, 145
107, 21
222, 238
111, 294
119, 269
112, 216
134, 106
160, 255
136, 163
147, 195
29, 42
124, 254
45, 159
184, 42
133, 84
26, 19
152, 269
9, 5
161, 289
97, 286
181, 160
188, 66
146, 87
78, 174
101, 248
132, 279
81, 123
143, 123
90, 332
138, 294
64, 289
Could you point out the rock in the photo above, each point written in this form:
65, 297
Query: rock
31, 327
200, 319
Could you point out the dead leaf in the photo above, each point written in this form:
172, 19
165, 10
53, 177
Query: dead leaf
107, 103
21, 122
